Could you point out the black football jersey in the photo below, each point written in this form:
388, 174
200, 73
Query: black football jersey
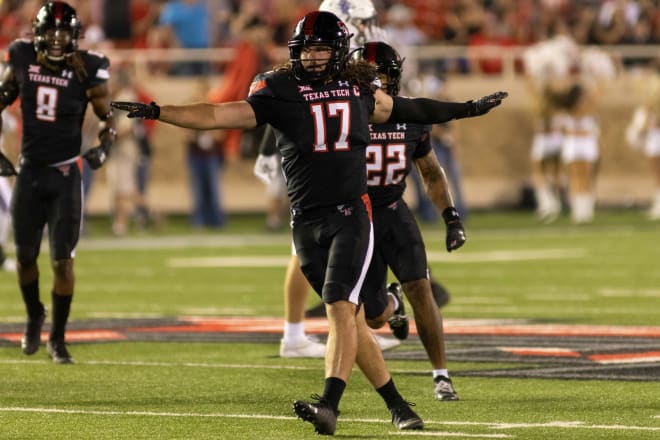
53, 104
390, 156
322, 134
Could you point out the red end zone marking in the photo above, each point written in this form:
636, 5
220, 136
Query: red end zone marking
320, 325
541, 351
552, 330
74, 336
622, 358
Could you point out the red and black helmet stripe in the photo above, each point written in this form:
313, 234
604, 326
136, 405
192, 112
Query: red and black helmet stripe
308, 28
58, 11
370, 53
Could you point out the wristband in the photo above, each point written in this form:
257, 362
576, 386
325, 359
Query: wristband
105, 130
450, 215
156, 109
106, 116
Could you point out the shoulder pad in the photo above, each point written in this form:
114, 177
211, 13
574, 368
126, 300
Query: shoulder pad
275, 85
96, 64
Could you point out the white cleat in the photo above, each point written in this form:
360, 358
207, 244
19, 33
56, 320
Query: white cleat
386, 343
8, 265
305, 348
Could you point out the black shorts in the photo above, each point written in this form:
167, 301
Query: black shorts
334, 246
399, 246
48, 195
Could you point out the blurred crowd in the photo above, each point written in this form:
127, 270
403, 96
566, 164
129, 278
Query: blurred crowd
548, 33
221, 23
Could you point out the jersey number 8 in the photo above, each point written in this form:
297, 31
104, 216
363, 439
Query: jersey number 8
46, 103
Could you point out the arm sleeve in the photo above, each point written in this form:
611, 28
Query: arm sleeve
267, 146
426, 111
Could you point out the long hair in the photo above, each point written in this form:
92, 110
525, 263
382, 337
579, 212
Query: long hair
73, 60
357, 72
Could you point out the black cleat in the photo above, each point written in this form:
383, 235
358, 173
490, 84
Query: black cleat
444, 389
32, 337
320, 414
58, 353
404, 418
398, 322
440, 294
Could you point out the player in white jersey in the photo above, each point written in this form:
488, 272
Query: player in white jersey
360, 19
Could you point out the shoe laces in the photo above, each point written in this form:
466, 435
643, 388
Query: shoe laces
59, 347
318, 400
444, 384
403, 405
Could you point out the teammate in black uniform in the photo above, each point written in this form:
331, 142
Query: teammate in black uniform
320, 106
55, 82
394, 148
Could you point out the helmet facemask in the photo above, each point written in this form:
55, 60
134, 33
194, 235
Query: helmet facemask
334, 64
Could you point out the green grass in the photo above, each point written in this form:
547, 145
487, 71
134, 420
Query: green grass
511, 268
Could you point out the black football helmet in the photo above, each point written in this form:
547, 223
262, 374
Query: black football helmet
387, 61
59, 16
319, 28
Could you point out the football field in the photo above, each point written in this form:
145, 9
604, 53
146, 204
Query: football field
553, 332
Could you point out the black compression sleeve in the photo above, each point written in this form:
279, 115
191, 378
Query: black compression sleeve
267, 146
426, 111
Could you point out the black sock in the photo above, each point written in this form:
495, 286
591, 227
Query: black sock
3, 257
390, 394
61, 307
334, 388
30, 294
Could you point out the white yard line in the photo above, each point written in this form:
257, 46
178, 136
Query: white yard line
433, 257
186, 241
449, 434
490, 425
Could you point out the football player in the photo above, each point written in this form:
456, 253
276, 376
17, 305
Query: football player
55, 81
360, 19
320, 106
399, 246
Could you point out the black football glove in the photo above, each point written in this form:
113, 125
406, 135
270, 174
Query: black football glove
97, 156
455, 232
138, 109
483, 105
6, 167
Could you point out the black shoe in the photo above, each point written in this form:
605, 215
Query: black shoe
440, 294
318, 311
320, 414
398, 321
58, 353
404, 418
32, 337
444, 389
